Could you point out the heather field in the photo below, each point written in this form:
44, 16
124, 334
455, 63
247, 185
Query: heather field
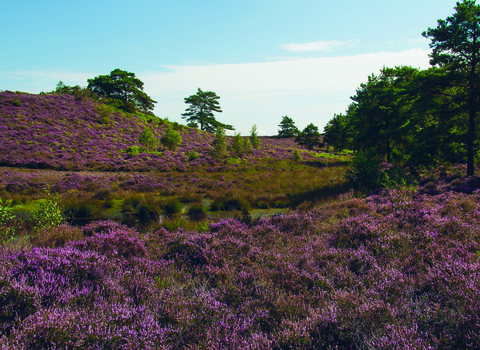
104, 248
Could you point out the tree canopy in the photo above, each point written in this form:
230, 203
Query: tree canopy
200, 111
287, 128
309, 137
456, 49
124, 88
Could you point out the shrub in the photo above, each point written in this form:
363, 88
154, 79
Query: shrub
193, 155
172, 138
220, 142
50, 213
365, 171
173, 207
133, 151
197, 212
146, 213
6, 233
57, 236
254, 140
131, 203
230, 204
247, 146
148, 140
75, 208
297, 155
237, 145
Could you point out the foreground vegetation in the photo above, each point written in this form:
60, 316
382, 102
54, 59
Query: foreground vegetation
398, 269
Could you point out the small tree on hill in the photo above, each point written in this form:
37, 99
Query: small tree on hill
200, 111
220, 142
254, 140
287, 128
237, 145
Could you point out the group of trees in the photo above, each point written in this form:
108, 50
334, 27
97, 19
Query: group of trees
309, 137
411, 116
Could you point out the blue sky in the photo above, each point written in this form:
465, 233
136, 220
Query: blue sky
264, 58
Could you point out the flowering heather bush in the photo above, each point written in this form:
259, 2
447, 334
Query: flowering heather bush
395, 270
64, 133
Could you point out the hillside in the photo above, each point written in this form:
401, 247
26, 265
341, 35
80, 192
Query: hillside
61, 132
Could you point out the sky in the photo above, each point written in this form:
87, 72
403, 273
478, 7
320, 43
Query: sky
264, 58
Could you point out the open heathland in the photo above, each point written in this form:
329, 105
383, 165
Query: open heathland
111, 240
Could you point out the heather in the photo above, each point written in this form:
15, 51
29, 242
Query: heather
398, 269
63, 132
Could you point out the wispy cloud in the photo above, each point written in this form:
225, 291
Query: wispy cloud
320, 45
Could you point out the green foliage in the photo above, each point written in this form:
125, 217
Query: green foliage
173, 207
197, 212
147, 212
309, 137
50, 213
122, 90
193, 155
365, 171
16, 103
297, 155
200, 111
77, 91
339, 132
220, 142
148, 139
133, 151
230, 204
237, 145
456, 48
172, 138
7, 233
247, 146
254, 140
287, 128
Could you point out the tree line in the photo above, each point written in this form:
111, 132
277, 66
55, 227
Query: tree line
410, 116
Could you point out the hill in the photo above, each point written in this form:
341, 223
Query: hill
53, 131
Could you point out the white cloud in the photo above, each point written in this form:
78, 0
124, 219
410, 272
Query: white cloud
308, 90
320, 45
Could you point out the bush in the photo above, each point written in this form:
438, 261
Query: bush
50, 213
6, 233
297, 155
172, 138
193, 155
230, 204
133, 151
146, 213
197, 212
365, 171
220, 142
148, 140
57, 236
75, 208
238, 145
173, 207
254, 140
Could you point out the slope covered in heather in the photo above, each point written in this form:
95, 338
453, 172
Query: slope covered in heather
60, 132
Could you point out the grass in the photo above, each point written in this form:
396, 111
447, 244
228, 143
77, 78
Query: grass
263, 189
